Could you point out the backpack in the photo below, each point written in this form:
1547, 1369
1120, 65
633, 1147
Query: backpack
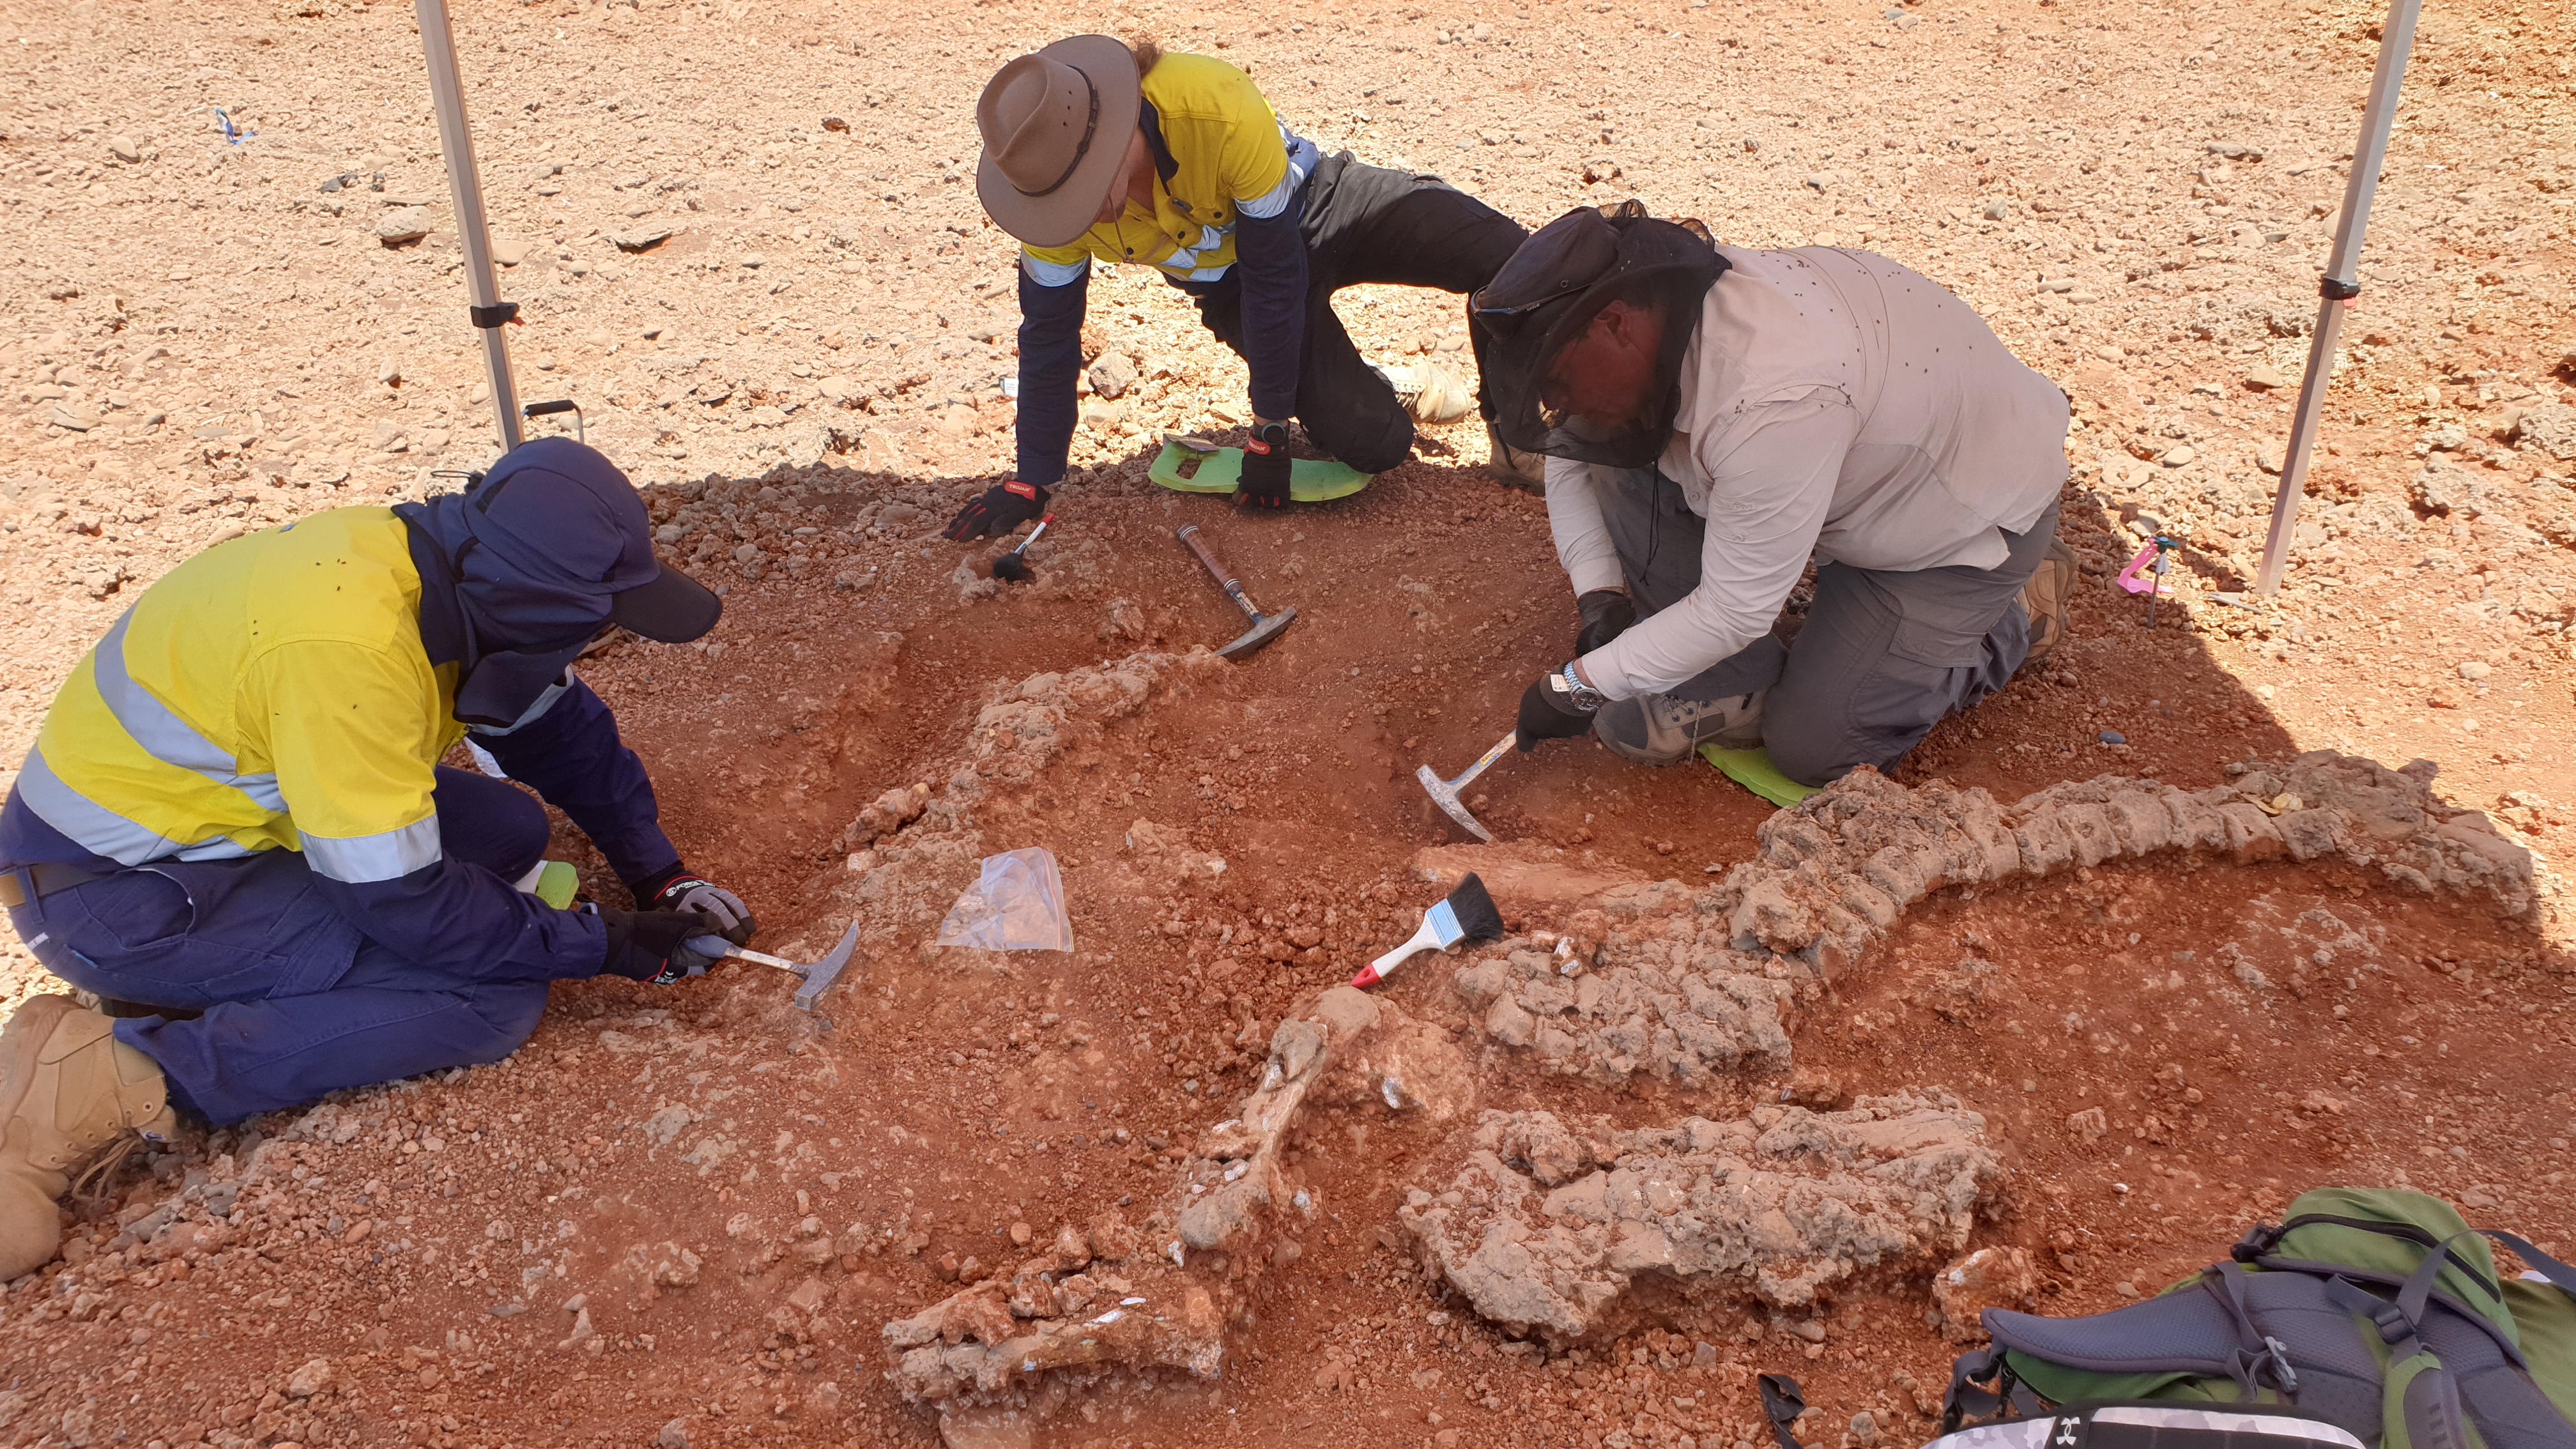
2376, 1311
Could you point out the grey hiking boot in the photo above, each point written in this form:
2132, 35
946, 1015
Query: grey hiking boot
2046, 599
1657, 729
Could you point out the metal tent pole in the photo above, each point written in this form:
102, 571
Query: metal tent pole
465, 183
2339, 285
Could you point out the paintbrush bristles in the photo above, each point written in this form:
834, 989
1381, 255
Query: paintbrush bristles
1474, 908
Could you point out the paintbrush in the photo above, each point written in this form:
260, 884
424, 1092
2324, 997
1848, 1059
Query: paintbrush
1467, 915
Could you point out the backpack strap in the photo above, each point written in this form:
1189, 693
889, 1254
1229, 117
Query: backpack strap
1965, 1400
2258, 1355
2560, 1276
1782, 1403
2420, 1397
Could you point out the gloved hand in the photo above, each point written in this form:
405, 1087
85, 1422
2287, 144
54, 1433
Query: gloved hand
1548, 713
1607, 613
647, 945
1265, 468
1004, 506
682, 889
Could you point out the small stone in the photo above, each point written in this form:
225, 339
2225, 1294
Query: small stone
2125, 1289
2236, 150
2112, 737
124, 149
2551, 427
1112, 375
674, 1435
643, 238
1864, 1427
754, 260
309, 1380
509, 252
2476, 669
2179, 457
1020, 1234
668, 534
1998, 209
403, 226
2264, 375
78, 420
748, 553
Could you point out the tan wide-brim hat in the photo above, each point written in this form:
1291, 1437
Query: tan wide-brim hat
1055, 127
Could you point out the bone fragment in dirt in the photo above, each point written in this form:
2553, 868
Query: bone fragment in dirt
1551, 1222
1692, 983
1168, 1299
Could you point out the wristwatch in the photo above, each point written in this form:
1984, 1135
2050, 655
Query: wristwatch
1579, 696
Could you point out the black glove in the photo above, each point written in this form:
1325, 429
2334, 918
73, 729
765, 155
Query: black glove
682, 889
1004, 506
647, 945
1265, 468
1606, 615
1548, 713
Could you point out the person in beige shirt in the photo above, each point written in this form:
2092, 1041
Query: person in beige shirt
1714, 420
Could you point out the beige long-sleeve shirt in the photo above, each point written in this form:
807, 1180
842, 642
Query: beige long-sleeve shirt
1837, 406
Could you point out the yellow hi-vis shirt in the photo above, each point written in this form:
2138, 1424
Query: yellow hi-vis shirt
1233, 155
270, 693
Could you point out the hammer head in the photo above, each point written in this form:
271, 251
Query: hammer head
1445, 795
1265, 628
820, 976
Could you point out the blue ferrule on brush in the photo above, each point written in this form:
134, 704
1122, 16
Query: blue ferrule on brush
1443, 919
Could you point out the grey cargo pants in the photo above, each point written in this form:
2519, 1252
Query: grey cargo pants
1881, 658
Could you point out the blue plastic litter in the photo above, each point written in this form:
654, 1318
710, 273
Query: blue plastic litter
233, 135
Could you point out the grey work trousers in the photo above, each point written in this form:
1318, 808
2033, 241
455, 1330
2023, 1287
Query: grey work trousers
1882, 656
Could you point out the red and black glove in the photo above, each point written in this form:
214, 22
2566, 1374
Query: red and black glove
1265, 468
651, 946
1004, 506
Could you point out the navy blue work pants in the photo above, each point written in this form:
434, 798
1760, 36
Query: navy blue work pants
289, 1000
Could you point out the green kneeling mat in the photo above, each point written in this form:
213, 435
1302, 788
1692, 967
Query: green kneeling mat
557, 884
1753, 770
1310, 480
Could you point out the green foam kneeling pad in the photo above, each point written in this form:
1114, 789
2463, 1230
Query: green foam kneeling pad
1310, 480
1753, 770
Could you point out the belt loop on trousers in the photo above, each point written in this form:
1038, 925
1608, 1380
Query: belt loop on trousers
18, 888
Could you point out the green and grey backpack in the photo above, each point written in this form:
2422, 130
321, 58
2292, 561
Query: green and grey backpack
2377, 1312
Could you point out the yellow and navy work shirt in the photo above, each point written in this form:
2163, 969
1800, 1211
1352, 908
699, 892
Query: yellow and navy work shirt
1227, 154
270, 693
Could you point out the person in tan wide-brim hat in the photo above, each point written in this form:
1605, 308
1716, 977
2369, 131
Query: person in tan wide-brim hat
1056, 126
1096, 150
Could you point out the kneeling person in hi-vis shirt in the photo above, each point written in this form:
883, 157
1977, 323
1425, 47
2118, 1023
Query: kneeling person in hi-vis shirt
1096, 152
234, 829
1715, 419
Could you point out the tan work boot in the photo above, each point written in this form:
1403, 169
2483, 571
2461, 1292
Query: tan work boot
69, 1090
2046, 599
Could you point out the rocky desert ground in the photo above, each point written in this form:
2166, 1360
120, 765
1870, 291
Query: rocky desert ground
2201, 914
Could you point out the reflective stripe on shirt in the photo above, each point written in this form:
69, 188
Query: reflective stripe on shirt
1054, 274
389, 855
161, 733
101, 830
1302, 156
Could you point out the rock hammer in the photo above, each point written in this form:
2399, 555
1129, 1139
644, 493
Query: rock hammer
1444, 793
1265, 627
817, 976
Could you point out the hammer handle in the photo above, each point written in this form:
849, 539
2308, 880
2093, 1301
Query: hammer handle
1188, 534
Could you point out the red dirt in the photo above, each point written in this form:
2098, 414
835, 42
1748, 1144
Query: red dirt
935, 1105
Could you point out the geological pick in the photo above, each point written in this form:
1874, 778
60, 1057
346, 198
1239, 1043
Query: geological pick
818, 976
